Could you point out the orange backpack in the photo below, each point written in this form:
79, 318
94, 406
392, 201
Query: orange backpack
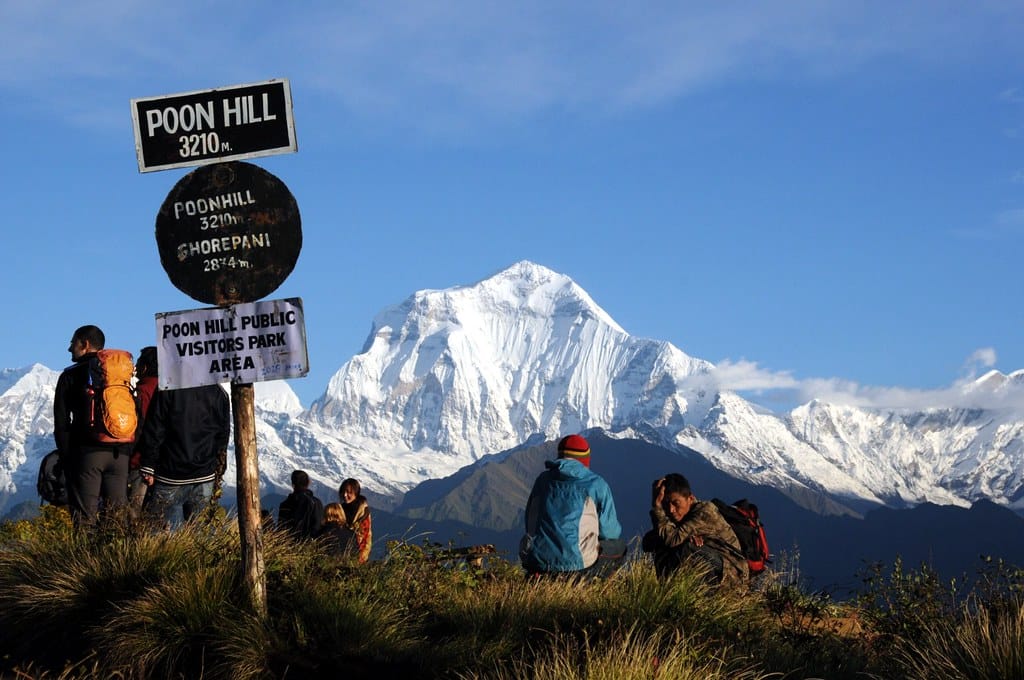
111, 401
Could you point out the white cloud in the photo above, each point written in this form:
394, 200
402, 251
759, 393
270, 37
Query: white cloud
747, 376
984, 357
460, 62
780, 387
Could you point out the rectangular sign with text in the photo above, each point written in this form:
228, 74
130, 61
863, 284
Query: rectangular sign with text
243, 343
210, 126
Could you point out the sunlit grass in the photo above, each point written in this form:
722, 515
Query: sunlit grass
983, 643
129, 602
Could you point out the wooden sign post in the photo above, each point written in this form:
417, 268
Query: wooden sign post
240, 343
228, 234
250, 528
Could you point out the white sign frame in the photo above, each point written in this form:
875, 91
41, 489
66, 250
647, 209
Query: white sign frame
243, 343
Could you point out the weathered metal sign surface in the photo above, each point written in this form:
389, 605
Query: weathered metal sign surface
229, 233
244, 343
209, 126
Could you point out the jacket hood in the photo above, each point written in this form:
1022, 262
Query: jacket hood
568, 468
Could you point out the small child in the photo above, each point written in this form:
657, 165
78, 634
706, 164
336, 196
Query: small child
335, 533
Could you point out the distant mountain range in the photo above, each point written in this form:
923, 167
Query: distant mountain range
450, 381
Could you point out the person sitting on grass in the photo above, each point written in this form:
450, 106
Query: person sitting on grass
690, 531
335, 533
571, 525
357, 516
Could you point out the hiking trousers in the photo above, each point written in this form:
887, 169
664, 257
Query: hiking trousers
93, 474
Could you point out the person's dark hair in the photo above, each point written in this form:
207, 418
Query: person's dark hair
300, 479
352, 483
147, 362
92, 334
676, 483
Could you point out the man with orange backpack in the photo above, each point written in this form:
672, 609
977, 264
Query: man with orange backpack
94, 424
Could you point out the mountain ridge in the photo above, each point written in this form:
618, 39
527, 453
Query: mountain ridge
450, 376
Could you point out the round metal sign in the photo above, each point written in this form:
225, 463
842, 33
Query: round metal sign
228, 233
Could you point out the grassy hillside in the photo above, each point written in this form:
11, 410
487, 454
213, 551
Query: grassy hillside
124, 602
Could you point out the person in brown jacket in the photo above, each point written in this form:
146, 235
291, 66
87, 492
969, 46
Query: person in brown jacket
688, 530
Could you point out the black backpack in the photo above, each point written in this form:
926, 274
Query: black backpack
743, 517
51, 484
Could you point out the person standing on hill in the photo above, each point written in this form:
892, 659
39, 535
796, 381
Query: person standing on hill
183, 437
145, 386
94, 469
357, 516
687, 530
301, 512
570, 517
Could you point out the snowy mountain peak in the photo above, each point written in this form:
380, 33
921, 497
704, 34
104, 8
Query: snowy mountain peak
990, 381
277, 396
525, 353
532, 286
18, 382
524, 290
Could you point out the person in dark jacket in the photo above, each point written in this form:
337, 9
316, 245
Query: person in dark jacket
301, 513
145, 386
93, 470
184, 434
335, 534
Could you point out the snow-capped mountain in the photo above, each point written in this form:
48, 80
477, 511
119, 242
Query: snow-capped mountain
26, 426
451, 375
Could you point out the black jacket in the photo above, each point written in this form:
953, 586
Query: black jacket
339, 540
302, 513
185, 431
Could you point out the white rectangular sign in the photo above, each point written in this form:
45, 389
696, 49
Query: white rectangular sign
243, 343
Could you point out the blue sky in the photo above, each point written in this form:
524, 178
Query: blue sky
821, 197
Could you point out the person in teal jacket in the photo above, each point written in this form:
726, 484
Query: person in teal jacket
571, 525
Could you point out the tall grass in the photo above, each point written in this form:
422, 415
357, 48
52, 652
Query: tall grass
127, 602
982, 643
630, 655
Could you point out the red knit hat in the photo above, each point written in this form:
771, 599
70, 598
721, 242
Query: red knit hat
576, 448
